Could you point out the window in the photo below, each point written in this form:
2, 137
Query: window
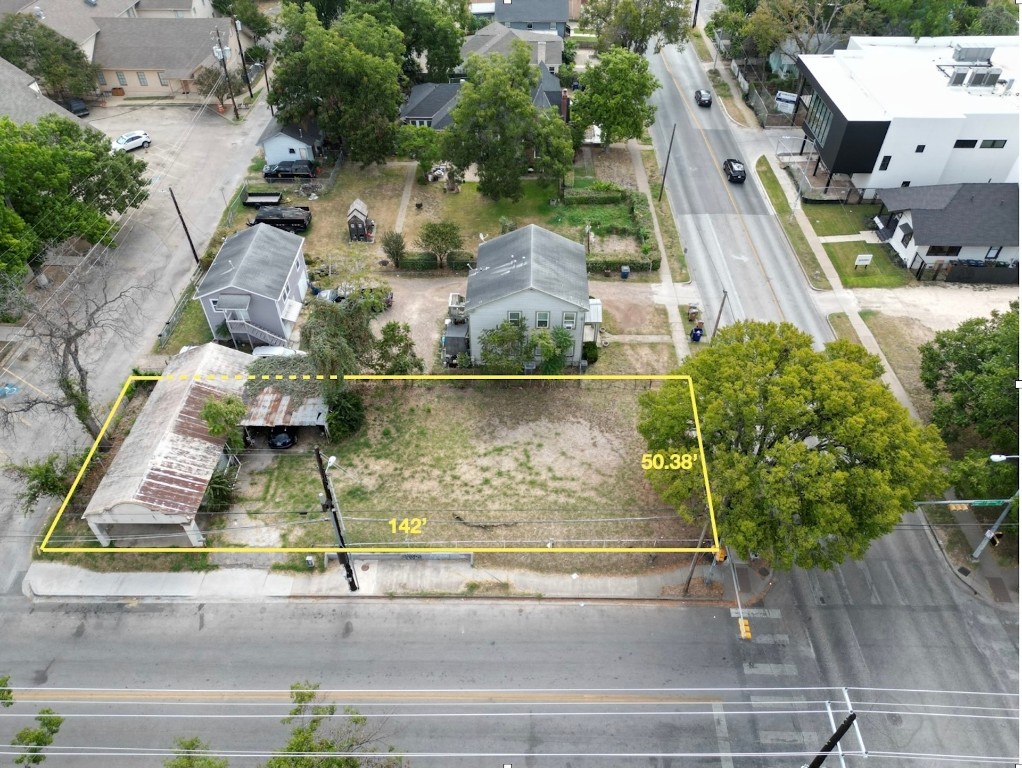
287, 291
965, 144
101, 78
906, 183
529, 25
920, 147
569, 320
992, 144
121, 79
213, 303
142, 80
515, 318
906, 238
291, 151
163, 79
819, 119
944, 250
993, 253
542, 319
885, 162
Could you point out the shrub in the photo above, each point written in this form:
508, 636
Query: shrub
591, 195
507, 225
590, 352
347, 413
394, 246
460, 260
418, 261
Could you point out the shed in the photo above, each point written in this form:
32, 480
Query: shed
361, 228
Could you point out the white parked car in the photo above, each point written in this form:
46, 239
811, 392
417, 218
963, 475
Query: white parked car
275, 352
132, 140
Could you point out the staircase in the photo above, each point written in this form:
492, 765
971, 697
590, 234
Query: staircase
243, 326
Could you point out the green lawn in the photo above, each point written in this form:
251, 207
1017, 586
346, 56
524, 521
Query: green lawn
798, 241
473, 212
192, 330
882, 273
665, 218
835, 219
701, 48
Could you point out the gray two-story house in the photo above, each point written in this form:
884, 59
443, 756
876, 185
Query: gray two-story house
533, 15
254, 289
531, 276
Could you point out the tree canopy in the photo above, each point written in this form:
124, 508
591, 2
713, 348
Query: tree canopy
632, 24
60, 181
347, 76
970, 372
810, 457
616, 96
496, 126
55, 61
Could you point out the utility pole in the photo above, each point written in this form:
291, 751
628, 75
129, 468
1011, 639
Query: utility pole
187, 234
330, 505
832, 742
667, 164
266, 77
241, 53
716, 323
991, 532
219, 53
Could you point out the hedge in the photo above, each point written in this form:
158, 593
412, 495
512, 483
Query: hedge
643, 219
590, 196
601, 262
459, 260
418, 261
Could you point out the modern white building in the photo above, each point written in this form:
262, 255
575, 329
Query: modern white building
899, 112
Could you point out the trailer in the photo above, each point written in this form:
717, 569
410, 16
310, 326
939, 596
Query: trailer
293, 218
259, 199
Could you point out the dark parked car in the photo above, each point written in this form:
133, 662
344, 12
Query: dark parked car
703, 98
734, 170
77, 107
282, 437
289, 169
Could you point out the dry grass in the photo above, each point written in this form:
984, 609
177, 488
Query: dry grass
843, 327
494, 466
900, 339
665, 218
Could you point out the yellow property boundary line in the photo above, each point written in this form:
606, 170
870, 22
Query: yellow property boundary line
44, 546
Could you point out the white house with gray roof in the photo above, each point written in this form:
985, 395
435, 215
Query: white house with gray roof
531, 276
533, 15
158, 478
296, 141
253, 291
932, 226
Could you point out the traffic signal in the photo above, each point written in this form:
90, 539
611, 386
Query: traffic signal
722, 555
743, 629
958, 507
995, 538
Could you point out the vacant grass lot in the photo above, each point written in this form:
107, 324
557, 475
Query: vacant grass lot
191, 330
882, 273
835, 219
484, 466
900, 339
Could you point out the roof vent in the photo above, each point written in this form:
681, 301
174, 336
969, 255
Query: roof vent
958, 76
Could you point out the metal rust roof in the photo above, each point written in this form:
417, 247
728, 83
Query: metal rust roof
271, 408
161, 470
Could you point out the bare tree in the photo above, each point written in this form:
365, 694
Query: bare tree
71, 326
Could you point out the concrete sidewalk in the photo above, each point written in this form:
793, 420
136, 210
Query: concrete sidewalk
396, 577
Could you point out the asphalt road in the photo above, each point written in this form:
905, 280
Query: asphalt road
734, 242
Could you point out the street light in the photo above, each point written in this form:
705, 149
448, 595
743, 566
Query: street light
999, 457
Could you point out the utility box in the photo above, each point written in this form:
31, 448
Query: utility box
625, 271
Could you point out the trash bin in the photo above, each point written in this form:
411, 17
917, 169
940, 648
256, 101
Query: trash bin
530, 368
625, 271
693, 312
696, 335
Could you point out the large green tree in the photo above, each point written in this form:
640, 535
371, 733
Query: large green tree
970, 372
58, 181
422, 143
210, 81
496, 126
55, 61
616, 96
808, 25
432, 33
505, 348
347, 76
440, 239
633, 24
810, 457
933, 18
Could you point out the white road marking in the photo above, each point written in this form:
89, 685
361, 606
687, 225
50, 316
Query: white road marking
723, 743
774, 670
757, 613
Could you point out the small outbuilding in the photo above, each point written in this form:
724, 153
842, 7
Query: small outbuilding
361, 228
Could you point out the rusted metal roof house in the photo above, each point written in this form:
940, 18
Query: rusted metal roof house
160, 473
273, 408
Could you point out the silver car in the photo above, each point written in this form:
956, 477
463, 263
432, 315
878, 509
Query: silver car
132, 140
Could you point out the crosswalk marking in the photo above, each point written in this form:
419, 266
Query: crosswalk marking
771, 639
792, 738
774, 670
756, 613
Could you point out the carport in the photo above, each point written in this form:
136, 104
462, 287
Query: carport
273, 408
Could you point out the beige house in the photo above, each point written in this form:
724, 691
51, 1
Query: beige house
160, 56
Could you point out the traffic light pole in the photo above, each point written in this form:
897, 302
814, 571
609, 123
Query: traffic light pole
991, 532
330, 505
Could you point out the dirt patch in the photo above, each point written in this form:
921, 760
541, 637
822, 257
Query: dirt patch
422, 303
614, 164
938, 306
621, 358
630, 308
900, 339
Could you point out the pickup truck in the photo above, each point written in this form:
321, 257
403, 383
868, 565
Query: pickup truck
289, 169
293, 218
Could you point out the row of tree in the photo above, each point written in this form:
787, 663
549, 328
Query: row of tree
760, 27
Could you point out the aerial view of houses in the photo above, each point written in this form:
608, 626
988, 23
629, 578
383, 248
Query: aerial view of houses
554, 382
